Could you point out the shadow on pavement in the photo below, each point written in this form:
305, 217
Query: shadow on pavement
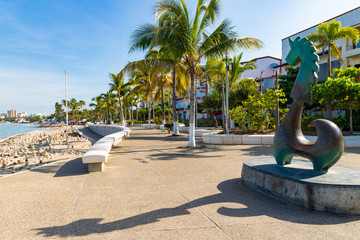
232, 191
259, 150
72, 168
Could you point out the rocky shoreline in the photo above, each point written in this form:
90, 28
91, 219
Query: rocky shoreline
33, 149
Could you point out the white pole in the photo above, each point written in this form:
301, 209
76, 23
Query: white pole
227, 98
66, 103
196, 106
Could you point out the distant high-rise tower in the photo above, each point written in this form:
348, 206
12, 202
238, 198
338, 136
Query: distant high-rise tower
11, 113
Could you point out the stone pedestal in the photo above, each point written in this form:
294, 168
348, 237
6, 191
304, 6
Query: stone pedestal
335, 191
96, 167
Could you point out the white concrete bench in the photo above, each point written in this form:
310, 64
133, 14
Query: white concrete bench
97, 155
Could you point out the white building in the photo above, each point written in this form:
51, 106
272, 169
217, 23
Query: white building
22, 115
182, 105
350, 53
265, 73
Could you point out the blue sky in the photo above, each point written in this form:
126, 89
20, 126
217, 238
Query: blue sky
39, 39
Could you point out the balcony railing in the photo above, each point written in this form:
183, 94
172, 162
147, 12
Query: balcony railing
352, 46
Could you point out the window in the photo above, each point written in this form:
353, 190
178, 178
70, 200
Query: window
322, 72
323, 75
335, 64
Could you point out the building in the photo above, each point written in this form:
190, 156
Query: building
265, 73
11, 113
182, 104
3, 115
350, 53
22, 115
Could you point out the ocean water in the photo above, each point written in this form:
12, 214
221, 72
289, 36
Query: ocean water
8, 130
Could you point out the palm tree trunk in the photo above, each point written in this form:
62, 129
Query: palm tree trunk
131, 111
125, 113
223, 105
162, 106
149, 116
212, 116
137, 113
192, 143
169, 114
208, 116
121, 111
175, 126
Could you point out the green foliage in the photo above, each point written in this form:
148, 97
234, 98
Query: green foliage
287, 83
211, 102
59, 112
259, 109
240, 116
306, 120
241, 90
351, 72
158, 110
343, 91
343, 122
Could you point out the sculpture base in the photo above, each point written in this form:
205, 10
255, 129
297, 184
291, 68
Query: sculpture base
336, 191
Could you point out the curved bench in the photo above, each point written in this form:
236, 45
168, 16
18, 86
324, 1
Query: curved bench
97, 155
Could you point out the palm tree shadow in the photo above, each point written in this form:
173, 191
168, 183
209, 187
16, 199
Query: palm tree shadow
232, 191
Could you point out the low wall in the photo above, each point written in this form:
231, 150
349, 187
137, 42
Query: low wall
199, 131
106, 129
145, 125
233, 139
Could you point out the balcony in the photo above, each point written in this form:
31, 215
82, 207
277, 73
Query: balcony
352, 50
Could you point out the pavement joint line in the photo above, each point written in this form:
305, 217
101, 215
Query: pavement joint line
194, 207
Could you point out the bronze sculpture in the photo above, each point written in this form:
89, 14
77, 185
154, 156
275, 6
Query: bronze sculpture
289, 139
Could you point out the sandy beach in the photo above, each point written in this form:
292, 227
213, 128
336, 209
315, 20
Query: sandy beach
37, 148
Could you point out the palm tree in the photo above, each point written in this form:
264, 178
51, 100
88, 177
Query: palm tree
237, 68
59, 111
241, 90
187, 38
211, 102
75, 107
163, 79
145, 75
109, 103
118, 85
98, 107
216, 73
326, 35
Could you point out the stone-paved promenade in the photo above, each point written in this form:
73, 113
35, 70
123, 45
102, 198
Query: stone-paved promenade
154, 187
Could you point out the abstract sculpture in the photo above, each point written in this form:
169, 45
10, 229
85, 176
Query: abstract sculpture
289, 139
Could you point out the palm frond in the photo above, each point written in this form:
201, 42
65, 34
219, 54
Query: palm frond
232, 45
143, 37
